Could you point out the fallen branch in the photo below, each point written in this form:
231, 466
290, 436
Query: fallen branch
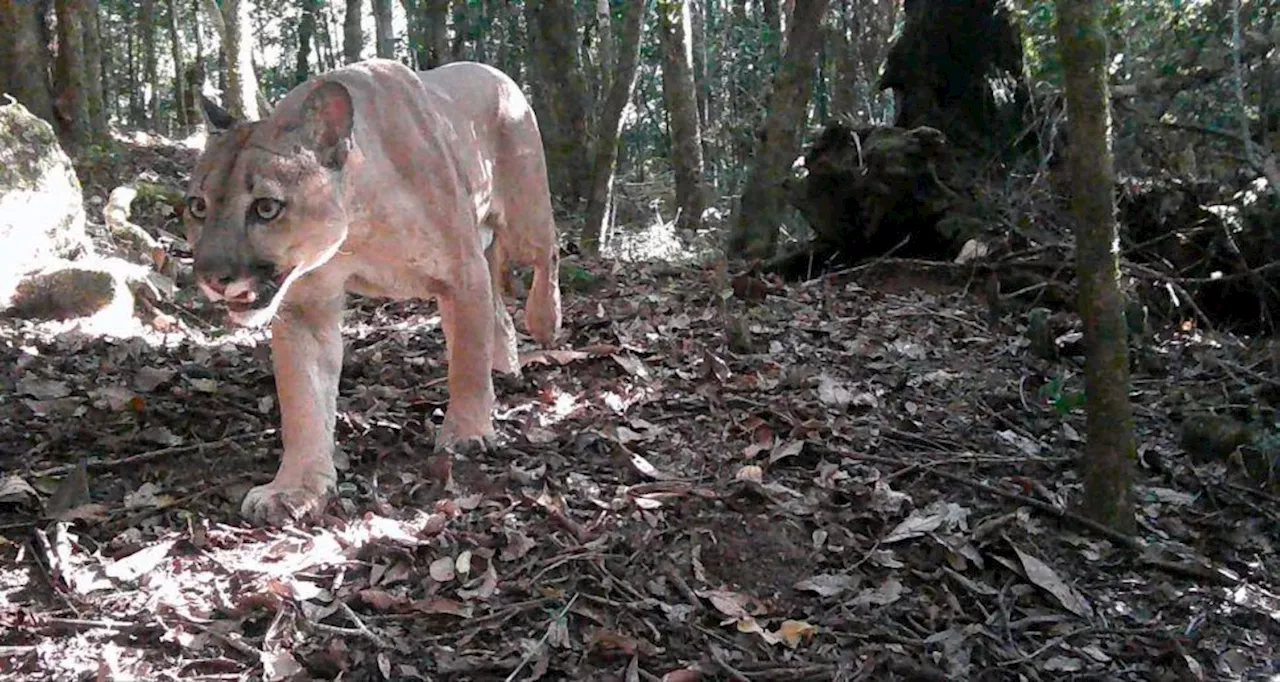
107, 464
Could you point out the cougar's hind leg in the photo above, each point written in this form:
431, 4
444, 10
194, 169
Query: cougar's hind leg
506, 358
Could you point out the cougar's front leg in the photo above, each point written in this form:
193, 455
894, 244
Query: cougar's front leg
306, 349
467, 315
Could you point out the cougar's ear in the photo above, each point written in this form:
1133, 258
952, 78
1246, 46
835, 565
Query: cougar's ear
218, 118
324, 124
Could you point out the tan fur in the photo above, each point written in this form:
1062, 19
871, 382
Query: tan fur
390, 181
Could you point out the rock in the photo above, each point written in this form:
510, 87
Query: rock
130, 241
1207, 437
63, 294
41, 205
104, 292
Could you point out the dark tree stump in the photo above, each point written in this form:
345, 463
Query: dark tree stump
957, 67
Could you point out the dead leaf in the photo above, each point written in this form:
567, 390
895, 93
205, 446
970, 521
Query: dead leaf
792, 631
148, 379
147, 496
633, 365
16, 490
448, 607
886, 593
751, 473
383, 601
828, 584
139, 563
43, 389
1039, 573
786, 449
832, 392
278, 665
442, 570
72, 491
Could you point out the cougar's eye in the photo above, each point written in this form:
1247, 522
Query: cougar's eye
197, 207
267, 209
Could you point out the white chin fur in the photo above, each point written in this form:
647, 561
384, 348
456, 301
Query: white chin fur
261, 316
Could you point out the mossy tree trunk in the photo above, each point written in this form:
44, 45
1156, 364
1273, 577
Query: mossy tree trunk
622, 83
26, 59
760, 211
72, 77
1110, 449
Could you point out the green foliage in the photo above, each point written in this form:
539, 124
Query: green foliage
1064, 401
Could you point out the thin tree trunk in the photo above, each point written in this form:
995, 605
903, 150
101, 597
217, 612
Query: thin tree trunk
306, 34
682, 107
91, 15
605, 58
147, 31
179, 73
106, 60
195, 73
760, 211
327, 54
1110, 449
136, 110
386, 36
621, 90
352, 33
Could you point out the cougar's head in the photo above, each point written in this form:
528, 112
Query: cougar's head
265, 206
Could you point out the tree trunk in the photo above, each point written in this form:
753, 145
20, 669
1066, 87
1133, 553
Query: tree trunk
436, 17
622, 87
179, 73
28, 58
91, 14
352, 33
241, 92
106, 62
605, 58
1110, 449
326, 55
760, 211
508, 57
306, 35
136, 109
944, 67
195, 73
773, 36
382, 27
147, 36
559, 95
682, 111
698, 40
72, 104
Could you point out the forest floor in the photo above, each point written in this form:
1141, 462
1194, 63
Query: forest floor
872, 481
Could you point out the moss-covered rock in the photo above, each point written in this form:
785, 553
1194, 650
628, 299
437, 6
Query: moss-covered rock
41, 205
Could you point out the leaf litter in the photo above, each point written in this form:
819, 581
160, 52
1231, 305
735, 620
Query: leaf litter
874, 486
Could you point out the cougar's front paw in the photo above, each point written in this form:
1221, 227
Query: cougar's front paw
278, 503
451, 438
